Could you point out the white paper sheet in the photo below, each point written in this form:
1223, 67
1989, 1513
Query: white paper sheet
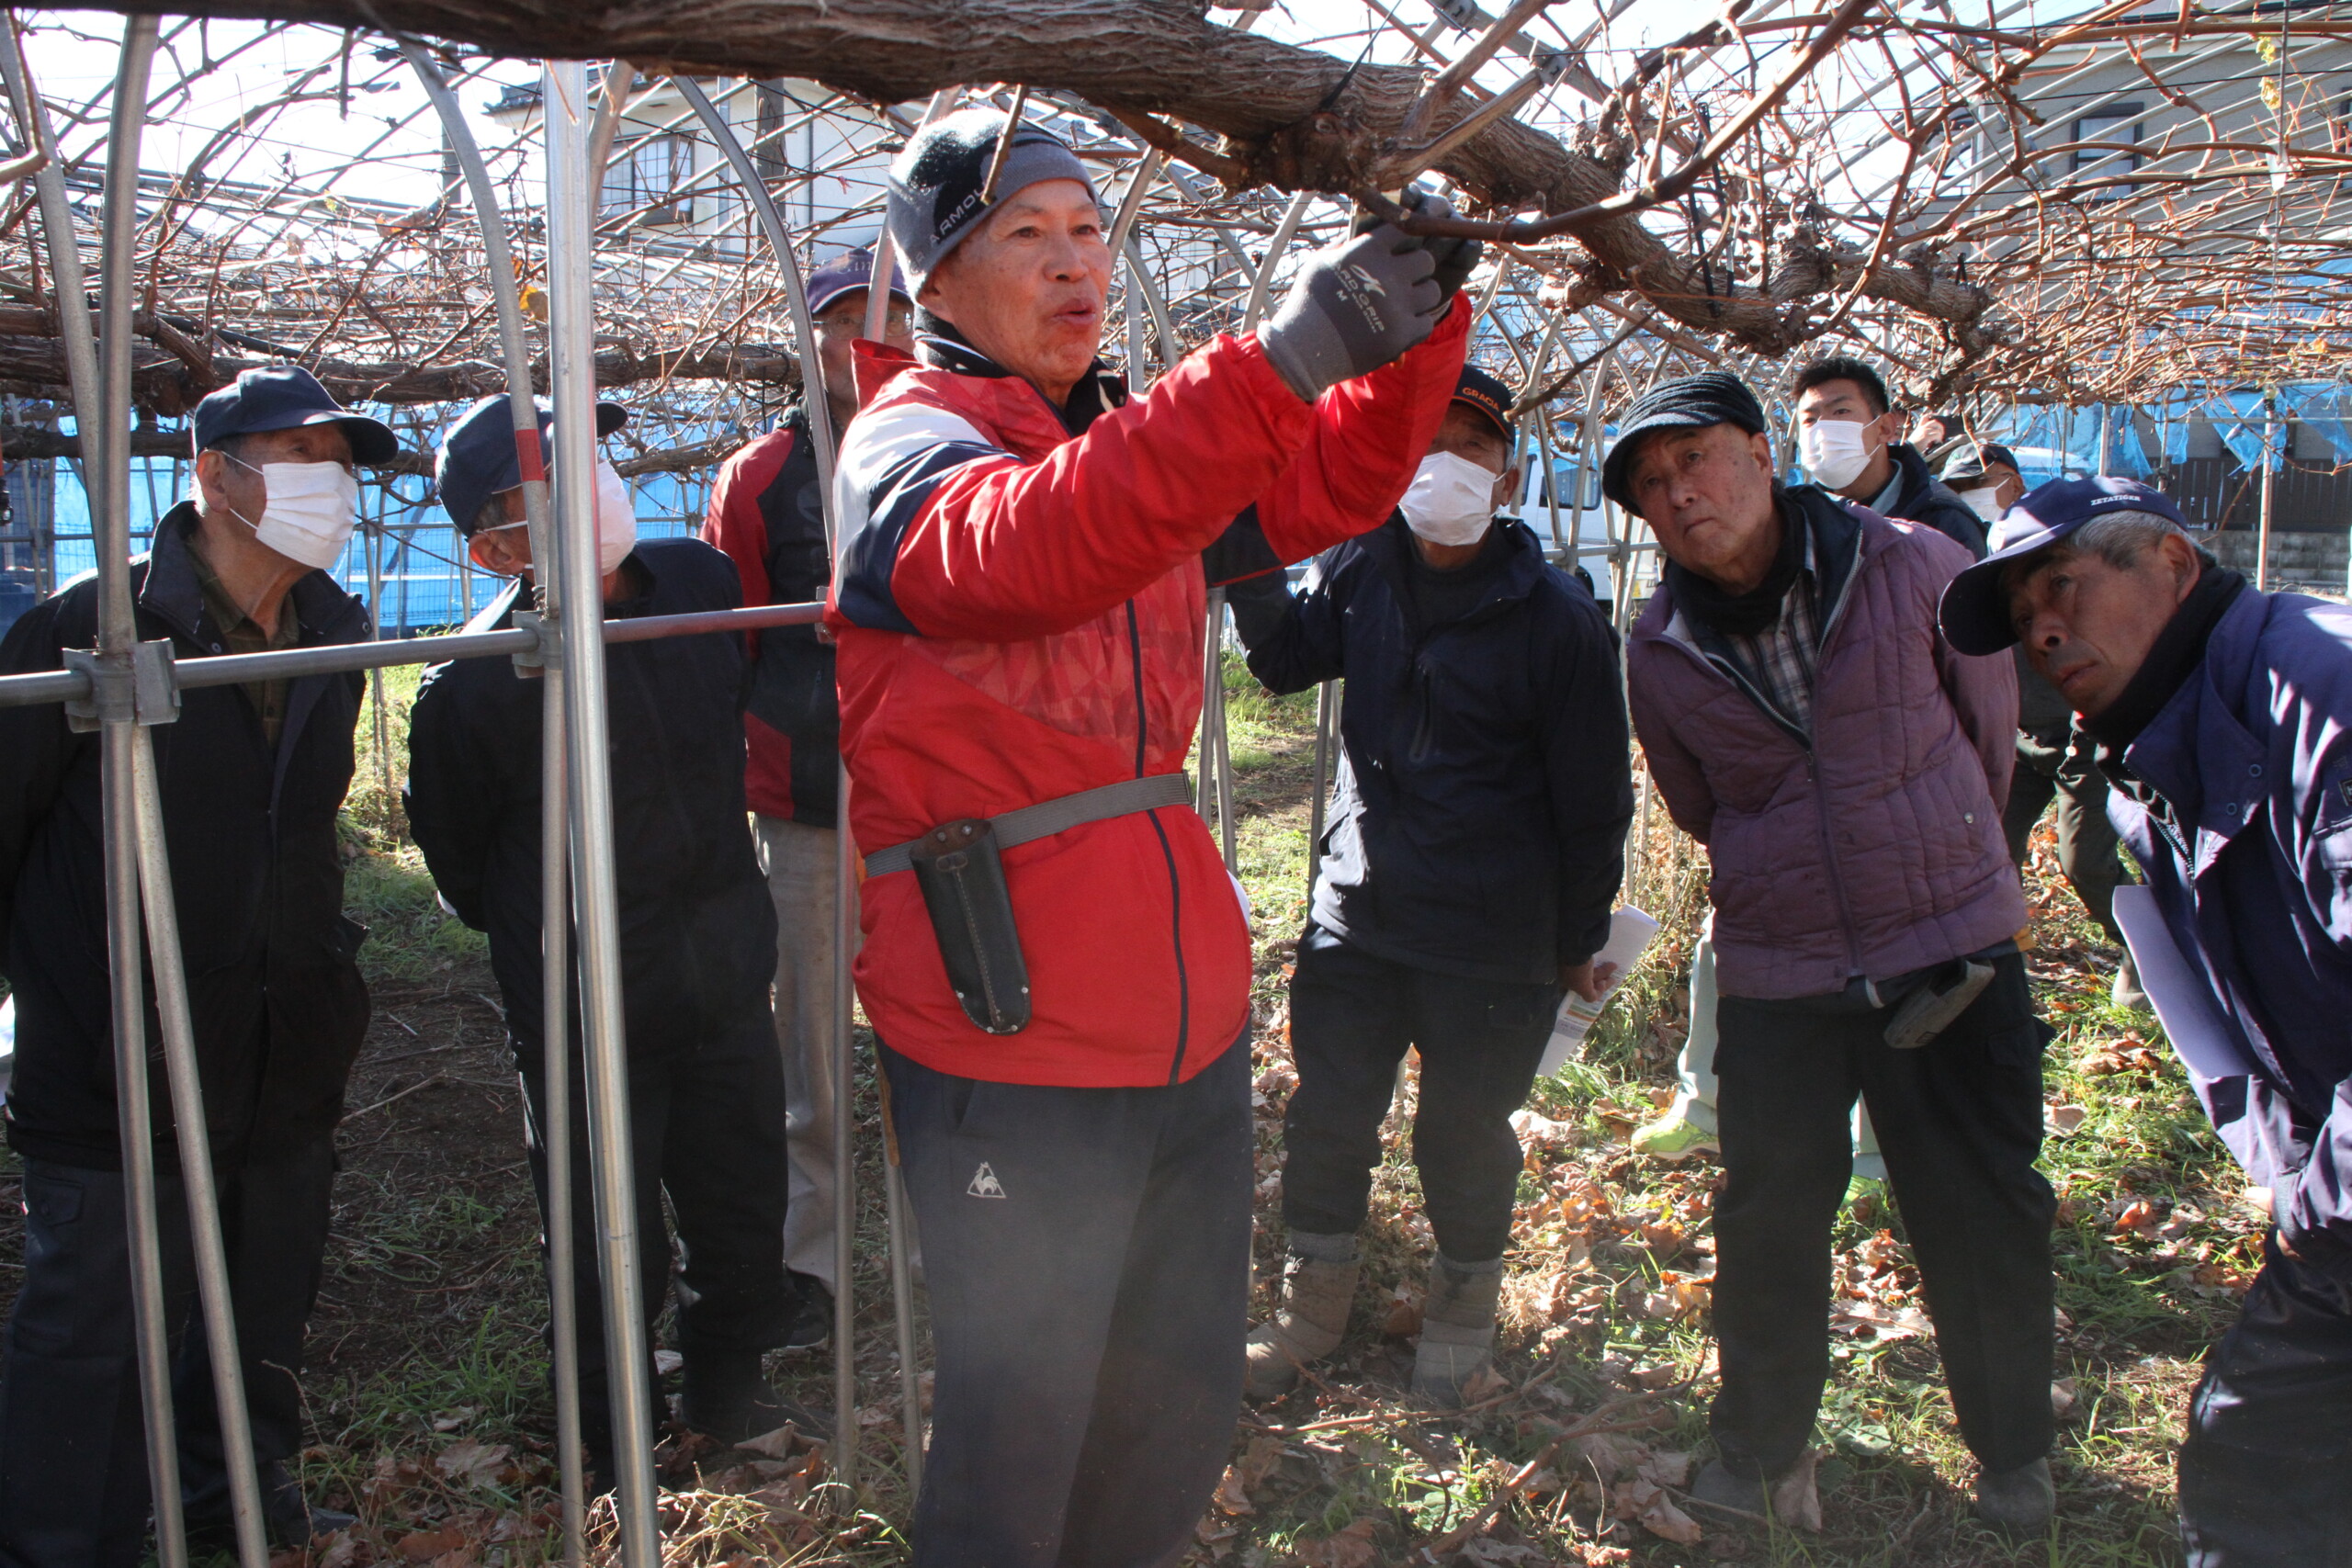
1630, 931
2184, 1003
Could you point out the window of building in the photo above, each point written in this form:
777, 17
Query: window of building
646, 177
2101, 132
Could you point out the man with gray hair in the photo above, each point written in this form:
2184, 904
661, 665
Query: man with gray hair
2220, 714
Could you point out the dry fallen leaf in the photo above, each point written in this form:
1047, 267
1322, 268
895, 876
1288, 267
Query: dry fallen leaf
1351, 1547
1232, 1496
2064, 1119
1646, 1503
423, 1546
1796, 1502
470, 1462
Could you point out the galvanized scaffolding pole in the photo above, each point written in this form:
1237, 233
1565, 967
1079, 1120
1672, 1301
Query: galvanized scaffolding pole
820, 431
118, 638
572, 378
555, 1134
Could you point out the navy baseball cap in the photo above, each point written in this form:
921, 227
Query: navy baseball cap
1975, 612
846, 272
282, 397
1969, 462
478, 460
1488, 394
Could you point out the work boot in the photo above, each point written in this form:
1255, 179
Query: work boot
812, 1320
1310, 1319
723, 1395
2126, 992
2017, 1503
1457, 1328
1719, 1486
1675, 1137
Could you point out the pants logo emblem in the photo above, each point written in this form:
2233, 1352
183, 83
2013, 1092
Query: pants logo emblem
985, 1184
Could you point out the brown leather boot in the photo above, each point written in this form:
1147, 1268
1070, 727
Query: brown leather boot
1308, 1323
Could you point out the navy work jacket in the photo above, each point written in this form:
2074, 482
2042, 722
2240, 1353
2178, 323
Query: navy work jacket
697, 932
2253, 757
1478, 822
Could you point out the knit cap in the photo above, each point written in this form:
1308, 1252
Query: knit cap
1691, 402
935, 183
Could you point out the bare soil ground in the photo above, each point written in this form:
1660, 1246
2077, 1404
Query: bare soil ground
427, 1377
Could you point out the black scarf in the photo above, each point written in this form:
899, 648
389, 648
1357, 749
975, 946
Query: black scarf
2172, 658
1754, 612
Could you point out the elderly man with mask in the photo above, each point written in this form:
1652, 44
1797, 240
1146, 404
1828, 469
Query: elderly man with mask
250, 777
767, 512
2050, 765
2223, 716
1055, 962
1845, 767
697, 935
1475, 844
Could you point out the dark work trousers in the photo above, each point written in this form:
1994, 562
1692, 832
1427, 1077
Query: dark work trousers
2263, 1473
1960, 1122
1087, 1252
1351, 1017
74, 1490
706, 1121
2047, 769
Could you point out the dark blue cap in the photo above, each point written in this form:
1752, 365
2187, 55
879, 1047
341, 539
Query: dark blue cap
478, 460
1486, 393
281, 397
1975, 612
849, 271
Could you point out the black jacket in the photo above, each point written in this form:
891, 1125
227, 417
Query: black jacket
1925, 499
697, 933
1483, 789
275, 995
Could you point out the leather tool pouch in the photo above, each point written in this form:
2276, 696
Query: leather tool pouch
1934, 1007
962, 877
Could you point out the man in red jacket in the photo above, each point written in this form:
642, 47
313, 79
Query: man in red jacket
767, 513
1020, 613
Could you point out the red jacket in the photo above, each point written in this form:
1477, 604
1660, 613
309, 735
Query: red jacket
1020, 612
767, 514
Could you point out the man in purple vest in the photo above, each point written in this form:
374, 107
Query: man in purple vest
1845, 767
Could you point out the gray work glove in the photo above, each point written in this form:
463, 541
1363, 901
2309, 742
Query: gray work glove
1354, 306
1457, 259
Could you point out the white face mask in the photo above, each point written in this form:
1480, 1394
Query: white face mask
1984, 502
1836, 452
1451, 499
616, 519
308, 511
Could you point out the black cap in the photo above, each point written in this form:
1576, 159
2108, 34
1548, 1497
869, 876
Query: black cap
478, 460
283, 397
1488, 394
1970, 463
1692, 403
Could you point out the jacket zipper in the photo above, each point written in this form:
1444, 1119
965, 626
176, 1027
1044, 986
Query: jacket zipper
1168, 853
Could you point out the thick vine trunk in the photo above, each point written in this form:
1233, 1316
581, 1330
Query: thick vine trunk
1293, 117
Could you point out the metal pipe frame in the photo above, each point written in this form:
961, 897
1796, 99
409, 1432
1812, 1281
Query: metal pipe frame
555, 1134
572, 378
845, 924
331, 659
117, 632
126, 743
